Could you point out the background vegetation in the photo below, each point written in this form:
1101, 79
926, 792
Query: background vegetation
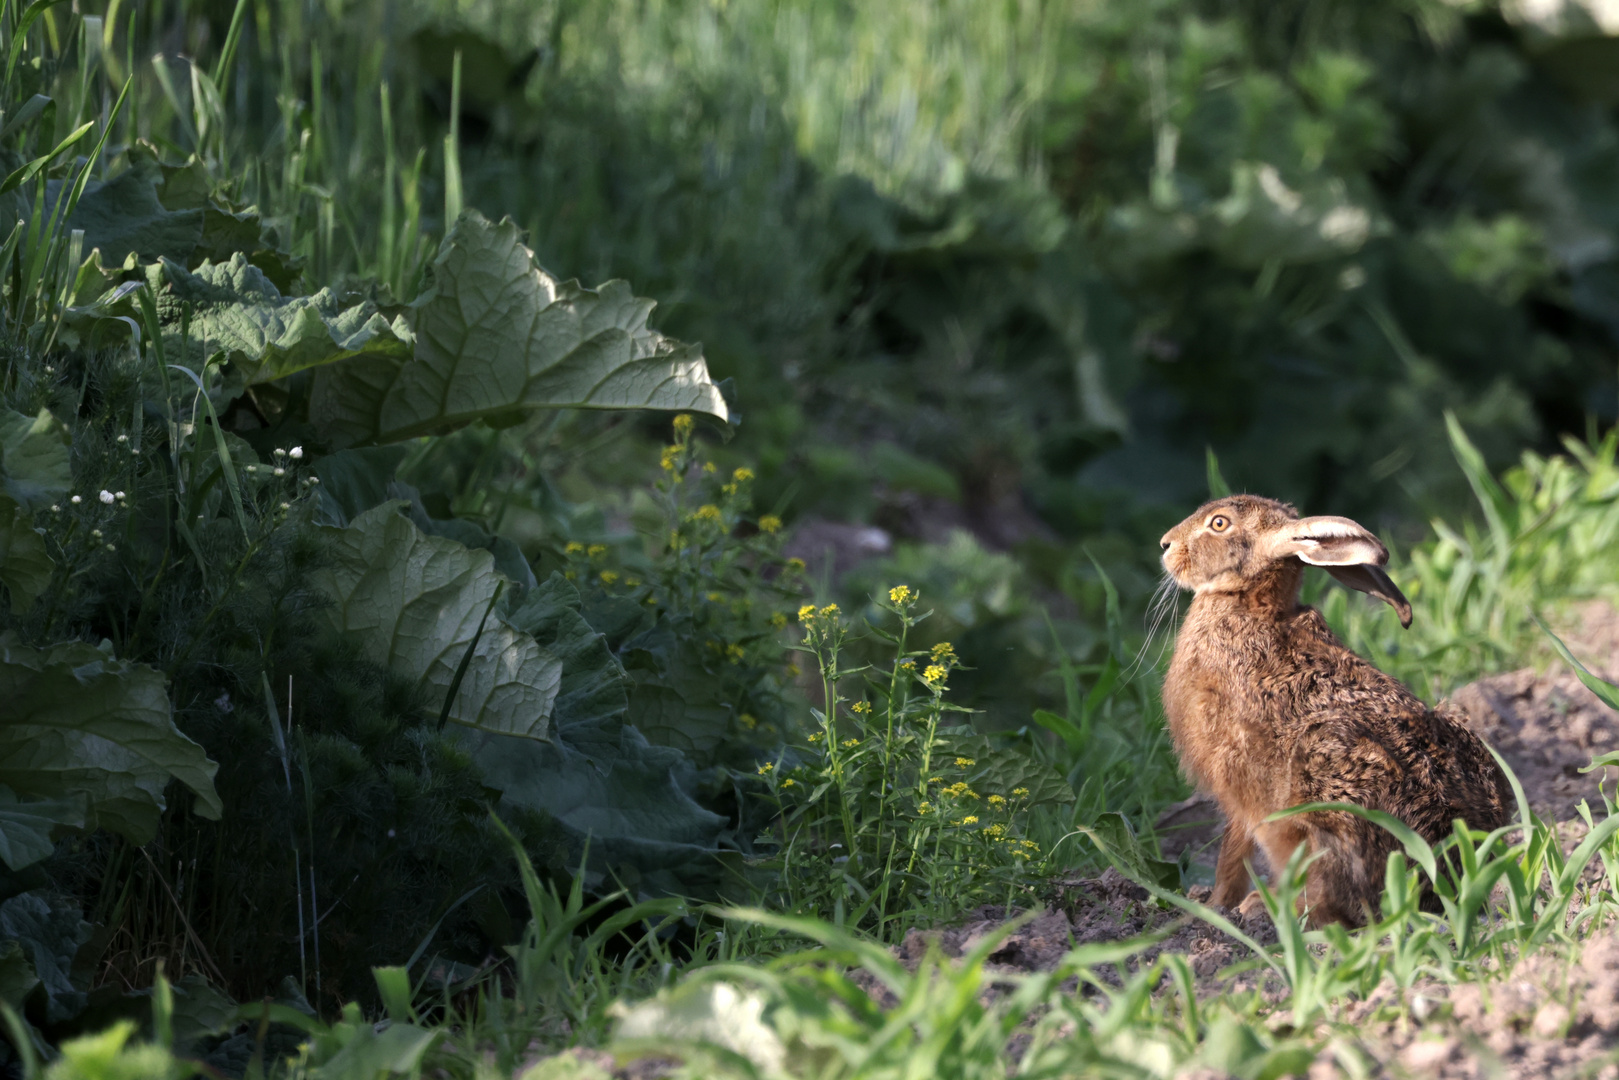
331, 522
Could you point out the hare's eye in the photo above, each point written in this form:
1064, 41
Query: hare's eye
1219, 523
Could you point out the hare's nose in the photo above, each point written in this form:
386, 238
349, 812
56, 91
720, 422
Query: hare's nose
1165, 544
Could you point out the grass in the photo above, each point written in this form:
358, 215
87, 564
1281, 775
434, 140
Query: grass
867, 844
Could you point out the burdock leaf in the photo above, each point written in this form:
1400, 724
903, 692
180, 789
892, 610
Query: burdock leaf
495, 337
414, 603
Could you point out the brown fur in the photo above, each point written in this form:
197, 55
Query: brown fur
1268, 709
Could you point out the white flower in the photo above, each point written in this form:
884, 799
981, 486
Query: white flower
75, 500
296, 453
281, 472
112, 547
118, 494
107, 497
95, 533
123, 438
286, 506
55, 509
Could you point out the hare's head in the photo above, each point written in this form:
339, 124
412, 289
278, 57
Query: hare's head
1237, 543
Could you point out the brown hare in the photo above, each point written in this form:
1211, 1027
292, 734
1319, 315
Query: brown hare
1268, 709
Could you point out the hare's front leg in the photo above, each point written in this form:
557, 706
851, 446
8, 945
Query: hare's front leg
1231, 872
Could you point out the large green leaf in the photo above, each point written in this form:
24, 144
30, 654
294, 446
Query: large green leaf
26, 827
635, 803
50, 931
25, 564
416, 602
237, 309
496, 336
123, 215
35, 460
78, 722
638, 805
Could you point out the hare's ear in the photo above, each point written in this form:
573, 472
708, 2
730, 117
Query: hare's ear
1346, 550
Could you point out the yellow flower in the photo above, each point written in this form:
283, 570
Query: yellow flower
735, 653
943, 652
995, 832
684, 423
716, 598
770, 523
817, 736
806, 613
1021, 792
924, 808
608, 576
1028, 845
935, 676
794, 565
742, 476
596, 551
935, 779
965, 763
574, 548
899, 595
749, 721
861, 707
571, 575
709, 467
632, 582
997, 800
651, 600
849, 744
907, 663
789, 782
667, 459
708, 512
958, 789
794, 671
828, 612
778, 621
970, 819
767, 767
729, 489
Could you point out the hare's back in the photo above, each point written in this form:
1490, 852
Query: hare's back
1424, 767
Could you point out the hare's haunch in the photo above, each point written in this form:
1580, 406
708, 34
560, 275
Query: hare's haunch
1269, 710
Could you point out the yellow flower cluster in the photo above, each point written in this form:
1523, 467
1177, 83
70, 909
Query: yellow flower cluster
684, 423
924, 808
789, 782
669, 458
770, 524
596, 551
943, 653
574, 548
860, 707
778, 621
997, 800
935, 779
749, 721
794, 565
961, 791
767, 767
965, 763
996, 832
735, 653
900, 595
608, 576
708, 512
850, 744
935, 676
809, 614
709, 468
1021, 792
816, 736
970, 819
742, 476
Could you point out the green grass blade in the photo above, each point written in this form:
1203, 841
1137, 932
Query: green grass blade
1604, 690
